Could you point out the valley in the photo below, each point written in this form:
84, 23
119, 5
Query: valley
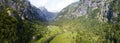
84, 21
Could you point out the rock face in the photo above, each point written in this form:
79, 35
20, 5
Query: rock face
46, 15
22, 9
85, 7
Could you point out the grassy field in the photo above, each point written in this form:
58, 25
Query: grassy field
50, 34
57, 35
67, 37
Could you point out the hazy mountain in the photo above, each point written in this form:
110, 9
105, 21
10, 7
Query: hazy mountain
25, 10
47, 15
20, 8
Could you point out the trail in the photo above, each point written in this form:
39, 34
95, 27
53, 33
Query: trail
51, 38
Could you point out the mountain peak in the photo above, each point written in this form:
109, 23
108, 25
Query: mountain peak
43, 8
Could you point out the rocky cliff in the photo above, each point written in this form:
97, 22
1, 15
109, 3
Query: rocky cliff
86, 7
22, 9
47, 15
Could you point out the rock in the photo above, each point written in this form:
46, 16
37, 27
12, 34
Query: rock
23, 8
84, 7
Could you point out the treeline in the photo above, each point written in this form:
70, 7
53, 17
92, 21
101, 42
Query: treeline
113, 32
92, 30
15, 30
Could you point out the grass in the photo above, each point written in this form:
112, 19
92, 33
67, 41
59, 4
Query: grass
68, 37
52, 30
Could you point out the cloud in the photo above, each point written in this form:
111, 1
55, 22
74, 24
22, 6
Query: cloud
52, 5
38, 3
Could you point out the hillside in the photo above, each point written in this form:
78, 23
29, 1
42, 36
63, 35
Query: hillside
18, 19
93, 20
86, 21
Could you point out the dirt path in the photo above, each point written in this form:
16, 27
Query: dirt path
51, 38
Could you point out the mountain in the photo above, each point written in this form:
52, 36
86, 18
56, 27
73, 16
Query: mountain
20, 8
85, 7
86, 21
47, 15
24, 10
19, 21
95, 21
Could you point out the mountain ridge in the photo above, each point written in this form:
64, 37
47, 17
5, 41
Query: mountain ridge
84, 7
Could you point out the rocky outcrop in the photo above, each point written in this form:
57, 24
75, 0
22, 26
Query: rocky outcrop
85, 7
22, 9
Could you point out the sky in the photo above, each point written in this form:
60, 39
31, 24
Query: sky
52, 5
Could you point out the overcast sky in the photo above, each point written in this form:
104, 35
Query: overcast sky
52, 5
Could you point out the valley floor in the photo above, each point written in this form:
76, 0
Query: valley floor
57, 35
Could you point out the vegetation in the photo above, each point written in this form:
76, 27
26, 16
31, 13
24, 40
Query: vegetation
51, 32
84, 29
113, 34
15, 30
90, 30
